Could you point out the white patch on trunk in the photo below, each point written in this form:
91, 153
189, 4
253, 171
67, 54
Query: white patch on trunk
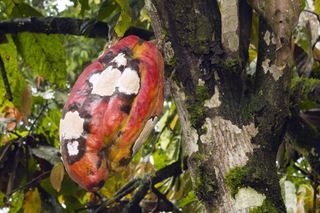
104, 83
288, 190
201, 82
214, 101
147, 129
71, 127
193, 147
251, 68
120, 60
248, 198
267, 37
72, 148
275, 70
224, 134
273, 39
129, 82
229, 19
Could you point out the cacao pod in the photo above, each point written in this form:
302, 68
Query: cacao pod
111, 109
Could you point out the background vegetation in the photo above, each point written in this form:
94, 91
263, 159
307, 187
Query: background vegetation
38, 71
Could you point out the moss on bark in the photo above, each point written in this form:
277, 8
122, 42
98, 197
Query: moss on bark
205, 182
266, 207
235, 179
196, 106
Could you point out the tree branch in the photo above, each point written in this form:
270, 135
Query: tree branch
143, 185
5, 80
281, 16
91, 28
245, 21
165, 199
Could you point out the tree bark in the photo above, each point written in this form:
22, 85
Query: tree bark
232, 122
90, 28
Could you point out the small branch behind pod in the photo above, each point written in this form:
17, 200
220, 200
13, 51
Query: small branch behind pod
5, 80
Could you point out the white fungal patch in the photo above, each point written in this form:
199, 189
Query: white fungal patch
230, 24
73, 148
147, 129
267, 37
214, 101
275, 70
273, 39
192, 146
289, 195
71, 127
317, 45
120, 60
248, 198
104, 83
129, 82
225, 135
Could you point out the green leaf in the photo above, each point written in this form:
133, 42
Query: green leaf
17, 202
68, 187
317, 6
108, 10
44, 55
160, 159
24, 10
49, 126
84, 6
56, 176
8, 53
191, 197
32, 202
9, 5
125, 19
2, 196
47, 153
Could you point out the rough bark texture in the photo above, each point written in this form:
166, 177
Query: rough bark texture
232, 123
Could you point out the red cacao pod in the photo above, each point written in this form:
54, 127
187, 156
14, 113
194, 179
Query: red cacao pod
111, 108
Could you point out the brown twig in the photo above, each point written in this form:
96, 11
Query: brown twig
165, 199
143, 185
5, 80
30, 182
91, 28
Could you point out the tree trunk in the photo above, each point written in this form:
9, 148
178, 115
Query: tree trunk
232, 122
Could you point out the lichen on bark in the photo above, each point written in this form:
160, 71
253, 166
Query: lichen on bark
232, 123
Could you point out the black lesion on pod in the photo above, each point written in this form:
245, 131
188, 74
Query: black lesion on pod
71, 159
121, 68
99, 163
106, 58
140, 41
125, 108
126, 50
86, 126
124, 161
71, 108
102, 155
95, 186
121, 95
134, 64
91, 101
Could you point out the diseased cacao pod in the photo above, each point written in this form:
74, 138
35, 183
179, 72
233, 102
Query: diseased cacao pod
111, 109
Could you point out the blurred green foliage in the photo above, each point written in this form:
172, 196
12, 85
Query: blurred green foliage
42, 69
